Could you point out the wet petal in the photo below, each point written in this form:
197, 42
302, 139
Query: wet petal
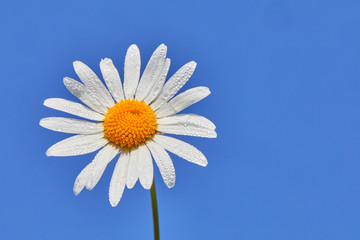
163, 162
112, 79
189, 130
151, 72
182, 149
155, 91
92, 173
73, 108
93, 84
145, 167
70, 125
174, 84
132, 175
81, 92
131, 71
187, 119
77, 145
118, 179
99, 164
182, 101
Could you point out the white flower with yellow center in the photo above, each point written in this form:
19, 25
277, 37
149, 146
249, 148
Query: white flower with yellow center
130, 120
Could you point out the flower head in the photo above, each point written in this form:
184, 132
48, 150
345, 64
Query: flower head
130, 119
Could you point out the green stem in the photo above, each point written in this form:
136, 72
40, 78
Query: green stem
155, 212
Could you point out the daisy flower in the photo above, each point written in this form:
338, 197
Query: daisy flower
130, 119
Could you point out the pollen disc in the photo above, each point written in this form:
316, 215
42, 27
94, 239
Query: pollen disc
129, 123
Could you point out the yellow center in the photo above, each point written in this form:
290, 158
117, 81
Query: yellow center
129, 123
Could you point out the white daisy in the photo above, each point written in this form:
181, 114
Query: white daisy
130, 120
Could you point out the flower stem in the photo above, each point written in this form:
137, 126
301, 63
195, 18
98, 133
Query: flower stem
155, 212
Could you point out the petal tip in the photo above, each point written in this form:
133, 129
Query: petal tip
90, 185
76, 63
106, 60
130, 186
46, 102
146, 186
170, 184
163, 46
41, 122
215, 134
66, 80
207, 90
76, 192
114, 203
204, 164
49, 153
133, 47
77, 188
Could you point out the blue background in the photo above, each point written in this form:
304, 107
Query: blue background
285, 83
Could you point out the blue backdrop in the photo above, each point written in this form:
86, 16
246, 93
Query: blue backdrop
285, 83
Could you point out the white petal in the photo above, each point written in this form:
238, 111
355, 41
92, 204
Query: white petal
93, 171
155, 91
182, 149
187, 119
70, 125
187, 129
93, 83
151, 72
81, 92
73, 108
131, 71
81, 179
132, 175
98, 165
118, 179
112, 79
173, 85
182, 101
163, 162
145, 167
77, 145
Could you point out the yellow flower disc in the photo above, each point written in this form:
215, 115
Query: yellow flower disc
129, 123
